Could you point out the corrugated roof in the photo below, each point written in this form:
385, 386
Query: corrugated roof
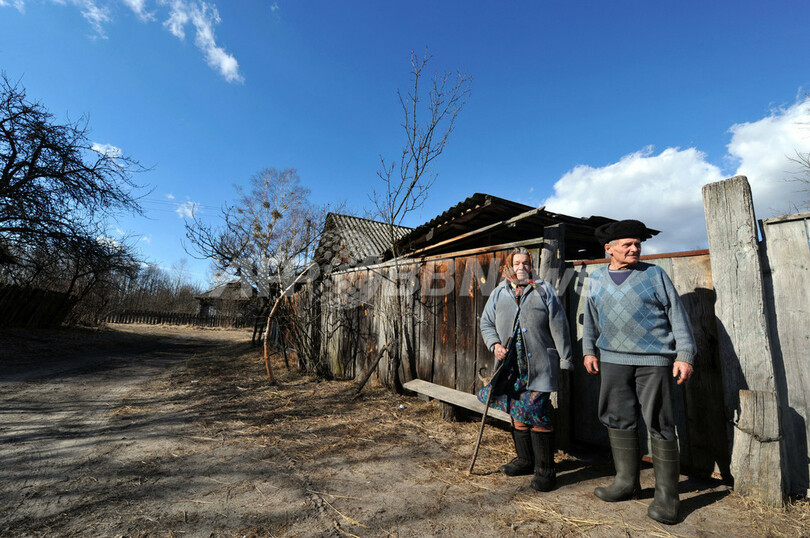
481, 220
230, 291
355, 239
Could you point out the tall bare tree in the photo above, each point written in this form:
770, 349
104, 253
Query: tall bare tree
57, 189
406, 181
55, 183
263, 238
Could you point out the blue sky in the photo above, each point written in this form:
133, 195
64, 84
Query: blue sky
623, 109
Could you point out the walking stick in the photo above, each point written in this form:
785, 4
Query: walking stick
492, 383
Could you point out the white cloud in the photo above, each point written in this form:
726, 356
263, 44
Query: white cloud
109, 242
139, 8
202, 15
107, 149
146, 239
187, 209
96, 15
170, 196
178, 18
19, 4
763, 150
664, 190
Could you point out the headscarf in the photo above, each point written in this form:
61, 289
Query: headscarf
518, 286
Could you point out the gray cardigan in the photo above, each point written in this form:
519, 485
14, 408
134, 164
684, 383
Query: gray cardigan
545, 330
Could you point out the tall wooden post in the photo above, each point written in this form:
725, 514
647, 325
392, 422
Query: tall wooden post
552, 267
744, 342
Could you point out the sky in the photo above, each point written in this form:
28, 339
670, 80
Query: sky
623, 109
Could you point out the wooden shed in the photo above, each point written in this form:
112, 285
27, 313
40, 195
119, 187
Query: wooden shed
445, 272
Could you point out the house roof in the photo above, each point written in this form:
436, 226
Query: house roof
484, 220
348, 239
230, 291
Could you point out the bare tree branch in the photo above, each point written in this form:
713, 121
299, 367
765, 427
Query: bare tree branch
427, 128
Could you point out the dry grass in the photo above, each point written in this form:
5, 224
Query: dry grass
312, 427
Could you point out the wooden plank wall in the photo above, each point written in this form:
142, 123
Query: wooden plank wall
788, 289
446, 306
699, 403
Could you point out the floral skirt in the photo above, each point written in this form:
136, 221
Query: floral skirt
512, 396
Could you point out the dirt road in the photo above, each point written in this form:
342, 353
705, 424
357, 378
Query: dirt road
175, 432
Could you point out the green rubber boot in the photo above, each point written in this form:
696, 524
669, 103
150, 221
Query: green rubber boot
627, 459
666, 464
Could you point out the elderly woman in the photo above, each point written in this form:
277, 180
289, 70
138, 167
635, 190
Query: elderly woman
525, 315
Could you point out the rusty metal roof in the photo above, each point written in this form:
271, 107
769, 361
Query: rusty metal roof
355, 240
495, 218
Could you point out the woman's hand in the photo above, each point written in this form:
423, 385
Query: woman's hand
500, 352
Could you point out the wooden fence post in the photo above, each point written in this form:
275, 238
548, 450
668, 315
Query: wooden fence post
744, 341
552, 268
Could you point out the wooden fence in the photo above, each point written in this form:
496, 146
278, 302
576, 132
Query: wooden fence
175, 318
762, 315
442, 301
787, 287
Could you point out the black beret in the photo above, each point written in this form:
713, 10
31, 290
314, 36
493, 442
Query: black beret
622, 229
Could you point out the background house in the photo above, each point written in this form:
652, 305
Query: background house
233, 299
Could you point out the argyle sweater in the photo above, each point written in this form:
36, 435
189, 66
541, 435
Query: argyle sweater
639, 322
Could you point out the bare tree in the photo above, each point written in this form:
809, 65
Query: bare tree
427, 127
266, 236
57, 188
54, 182
802, 176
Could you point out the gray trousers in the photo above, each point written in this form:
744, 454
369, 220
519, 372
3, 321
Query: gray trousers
625, 390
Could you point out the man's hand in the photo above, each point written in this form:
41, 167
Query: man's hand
591, 364
682, 371
500, 352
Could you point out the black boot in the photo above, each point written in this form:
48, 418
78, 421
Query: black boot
545, 472
627, 459
666, 464
524, 463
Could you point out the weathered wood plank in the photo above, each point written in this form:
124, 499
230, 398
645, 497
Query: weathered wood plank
465, 325
409, 291
744, 342
486, 280
585, 387
755, 462
788, 257
426, 323
705, 440
367, 325
454, 397
745, 349
678, 396
444, 364
552, 268
551, 262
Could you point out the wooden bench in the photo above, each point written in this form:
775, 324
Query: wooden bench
454, 398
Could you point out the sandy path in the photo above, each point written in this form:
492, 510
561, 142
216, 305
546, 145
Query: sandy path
169, 432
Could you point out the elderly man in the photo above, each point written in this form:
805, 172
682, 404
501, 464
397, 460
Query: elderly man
638, 337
